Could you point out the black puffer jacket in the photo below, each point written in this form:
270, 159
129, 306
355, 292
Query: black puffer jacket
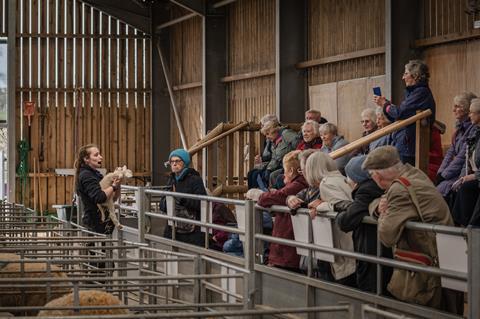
91, 194
349, 218
190, 183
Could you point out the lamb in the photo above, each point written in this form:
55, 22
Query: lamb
121, 173
87, 298
34, 296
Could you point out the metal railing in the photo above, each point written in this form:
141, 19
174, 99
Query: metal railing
250, 230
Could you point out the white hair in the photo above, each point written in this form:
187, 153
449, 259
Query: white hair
475, 105
317, 166
370, 114
314, 124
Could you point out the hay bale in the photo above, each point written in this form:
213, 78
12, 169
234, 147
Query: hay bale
30, 296
87, 298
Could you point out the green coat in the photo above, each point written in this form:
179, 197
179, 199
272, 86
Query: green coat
287, 143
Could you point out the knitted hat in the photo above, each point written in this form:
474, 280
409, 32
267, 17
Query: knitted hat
181, 153
354, 169
381, 158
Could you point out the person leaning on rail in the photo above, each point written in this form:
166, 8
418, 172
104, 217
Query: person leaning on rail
410, 196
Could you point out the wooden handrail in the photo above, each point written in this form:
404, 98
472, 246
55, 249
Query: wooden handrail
197, 148
378, 133
217, 130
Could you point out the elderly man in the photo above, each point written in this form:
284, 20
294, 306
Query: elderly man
410, 196
315, 115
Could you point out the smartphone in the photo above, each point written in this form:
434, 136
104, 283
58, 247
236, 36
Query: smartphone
377, 91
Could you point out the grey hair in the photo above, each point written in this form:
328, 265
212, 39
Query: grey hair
304, 155
370, 114
318, 165
328, 128
268, 118
463, 100
475, 105
419, 70
389, 173
316, 112
314, 124
270, 125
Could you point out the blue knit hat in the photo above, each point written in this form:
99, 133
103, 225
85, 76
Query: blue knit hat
354, 169
183, 154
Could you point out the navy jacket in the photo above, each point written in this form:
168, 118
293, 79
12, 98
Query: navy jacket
418, 97
190, 183
91, 194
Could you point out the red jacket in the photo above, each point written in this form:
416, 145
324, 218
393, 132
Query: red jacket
281, 255
436, 153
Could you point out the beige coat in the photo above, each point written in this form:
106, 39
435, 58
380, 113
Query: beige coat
392, 232
334, 189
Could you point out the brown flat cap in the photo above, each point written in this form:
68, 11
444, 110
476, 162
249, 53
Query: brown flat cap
381, 158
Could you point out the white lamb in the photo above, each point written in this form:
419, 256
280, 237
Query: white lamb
121, 173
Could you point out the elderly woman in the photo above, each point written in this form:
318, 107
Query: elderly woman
321, 172
331, 142
184, 179
280, 255
382, 121
283, 141
418, 97
467, 185
310, 136
454, 160
369, 124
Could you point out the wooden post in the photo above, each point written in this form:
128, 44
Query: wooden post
422, 144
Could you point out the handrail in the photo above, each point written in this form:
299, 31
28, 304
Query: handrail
378, 133
216, 131
197, 148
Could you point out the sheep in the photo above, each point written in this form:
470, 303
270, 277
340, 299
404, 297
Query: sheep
29, 296
121, 173
87, 298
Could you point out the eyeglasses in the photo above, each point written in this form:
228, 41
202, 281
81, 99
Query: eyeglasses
365, 121
175, 162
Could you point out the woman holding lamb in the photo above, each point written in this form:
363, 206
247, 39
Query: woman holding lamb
91, 193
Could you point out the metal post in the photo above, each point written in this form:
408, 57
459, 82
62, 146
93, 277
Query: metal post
249, 253
172, 98
140, 200
473, 273
11, 96
310, 290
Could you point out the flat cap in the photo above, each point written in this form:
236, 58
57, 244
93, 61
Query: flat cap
381, 158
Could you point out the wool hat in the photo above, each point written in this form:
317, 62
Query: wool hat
354, 169
181, 153
381, 158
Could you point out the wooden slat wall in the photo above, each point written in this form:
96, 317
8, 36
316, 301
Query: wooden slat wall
342, 26
186, 67
251, 48
90, 75
453, 66
444, 17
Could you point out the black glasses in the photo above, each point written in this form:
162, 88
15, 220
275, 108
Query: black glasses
175, 162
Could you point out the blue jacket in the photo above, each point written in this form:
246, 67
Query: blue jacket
454, 159
418, 97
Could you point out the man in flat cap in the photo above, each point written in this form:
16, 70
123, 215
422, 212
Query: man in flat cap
410, 196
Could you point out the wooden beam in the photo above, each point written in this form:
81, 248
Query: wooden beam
448, 38
186, 86
246, 76
378, 133
341, 57
44, 35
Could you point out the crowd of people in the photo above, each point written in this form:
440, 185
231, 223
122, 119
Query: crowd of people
378, 180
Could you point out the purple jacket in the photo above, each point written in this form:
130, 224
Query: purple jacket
454, 159
418, 97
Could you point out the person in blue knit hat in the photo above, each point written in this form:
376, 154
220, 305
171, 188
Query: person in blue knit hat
350, 216
184, 179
